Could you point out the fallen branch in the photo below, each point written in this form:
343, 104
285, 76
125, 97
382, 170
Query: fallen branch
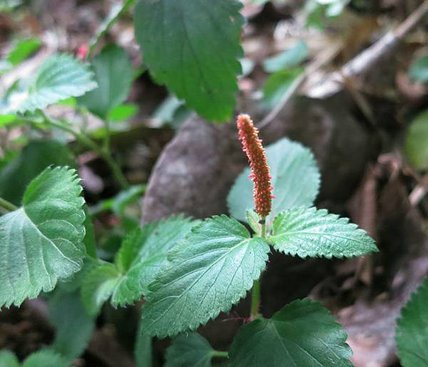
357, 67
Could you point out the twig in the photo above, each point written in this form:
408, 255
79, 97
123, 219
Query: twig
359, 65
89, 143
417, 194
366, 60
320, 61
386, 45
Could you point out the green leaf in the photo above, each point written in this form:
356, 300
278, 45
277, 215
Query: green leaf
319, 13
32, 160
193, 48
7, 6
303, 333
71, 338
308, 232
278, 85
119, 203
113, 74
122, 112
167, 111
45, 358
89, 240
98, 286
412, 335
289, 58
22, 50
416, 148
419, 69
142, 254
41, 242
6, 120
58, 78
8, 359
335, 7
116, 11
295, 180
189, 350
213, 268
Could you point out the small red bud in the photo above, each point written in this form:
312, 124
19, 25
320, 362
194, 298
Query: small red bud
82, 51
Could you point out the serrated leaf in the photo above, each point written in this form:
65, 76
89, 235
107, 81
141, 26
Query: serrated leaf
8, 359
58, 78
32, 160
45, 358
213, 268
42, 241
412, 335
113, 74
189, 350
193, 48
71, 338
416, 147
308, 232
142, 254
302, 334
295, 180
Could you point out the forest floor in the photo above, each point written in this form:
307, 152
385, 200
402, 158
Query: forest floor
351, 108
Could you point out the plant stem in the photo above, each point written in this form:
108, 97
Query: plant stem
255, 300
220, 354
256, 291
89, 143
7, 205
263, 232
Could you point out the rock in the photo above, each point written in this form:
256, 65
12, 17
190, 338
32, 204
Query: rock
197, 168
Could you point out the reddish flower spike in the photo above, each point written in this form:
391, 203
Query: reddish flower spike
252, 146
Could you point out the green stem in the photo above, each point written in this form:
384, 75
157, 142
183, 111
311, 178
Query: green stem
256, 291
89, 143
7, 205
220, 354
263, 233
107, 136
255, 300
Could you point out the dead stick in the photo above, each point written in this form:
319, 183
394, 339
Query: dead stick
356, 67
386, 45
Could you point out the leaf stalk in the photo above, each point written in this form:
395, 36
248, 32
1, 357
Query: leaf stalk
89, 143
220, 354
7, 205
